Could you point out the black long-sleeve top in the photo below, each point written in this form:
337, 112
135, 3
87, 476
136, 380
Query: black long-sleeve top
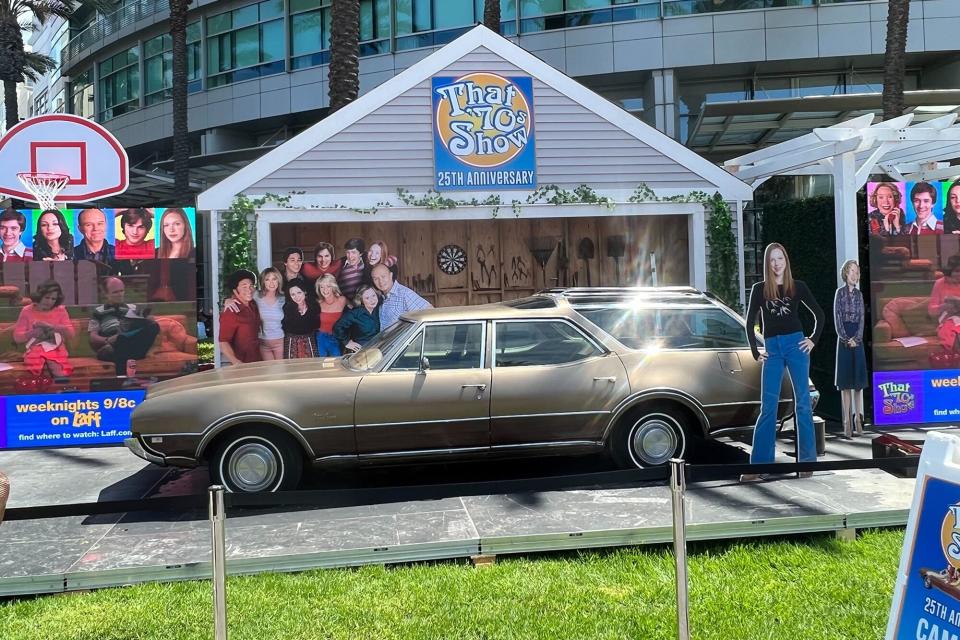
781, 316
296, 324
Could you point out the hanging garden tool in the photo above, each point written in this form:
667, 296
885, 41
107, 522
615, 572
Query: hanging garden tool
542, 248
616, 247
585, 252
563, 264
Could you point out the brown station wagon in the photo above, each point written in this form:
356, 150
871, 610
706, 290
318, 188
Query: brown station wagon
530, 377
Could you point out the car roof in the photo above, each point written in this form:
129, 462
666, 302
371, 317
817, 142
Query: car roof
492, 311
616, 296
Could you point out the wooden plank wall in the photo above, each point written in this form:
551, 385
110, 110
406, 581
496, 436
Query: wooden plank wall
500, 264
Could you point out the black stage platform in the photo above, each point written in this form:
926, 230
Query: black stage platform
45, 556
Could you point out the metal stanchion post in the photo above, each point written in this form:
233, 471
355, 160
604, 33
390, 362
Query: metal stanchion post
678, 486
218, 518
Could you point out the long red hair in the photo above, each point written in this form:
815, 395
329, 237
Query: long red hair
770, 280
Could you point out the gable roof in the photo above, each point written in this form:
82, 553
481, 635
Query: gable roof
221, 195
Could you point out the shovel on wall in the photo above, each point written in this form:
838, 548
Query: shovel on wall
586, 252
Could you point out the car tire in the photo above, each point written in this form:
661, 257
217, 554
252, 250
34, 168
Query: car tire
252, 459
649, 437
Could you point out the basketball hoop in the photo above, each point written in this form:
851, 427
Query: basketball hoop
44, 186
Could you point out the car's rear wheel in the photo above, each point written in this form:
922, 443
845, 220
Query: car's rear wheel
252, 459
649, 437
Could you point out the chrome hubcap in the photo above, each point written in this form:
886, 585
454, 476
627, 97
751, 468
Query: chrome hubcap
654, 442
253, 467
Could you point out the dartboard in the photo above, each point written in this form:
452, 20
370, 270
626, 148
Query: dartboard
451, 259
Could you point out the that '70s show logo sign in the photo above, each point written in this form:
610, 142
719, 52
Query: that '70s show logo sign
483, 132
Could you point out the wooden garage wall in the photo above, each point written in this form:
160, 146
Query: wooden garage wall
500, 265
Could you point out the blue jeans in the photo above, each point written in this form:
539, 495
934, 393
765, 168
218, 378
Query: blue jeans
784, 352
327, 345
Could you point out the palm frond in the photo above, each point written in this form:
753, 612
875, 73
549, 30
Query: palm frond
37, 65
43, 10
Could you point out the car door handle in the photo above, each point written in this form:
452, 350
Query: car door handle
607, 378
478, 387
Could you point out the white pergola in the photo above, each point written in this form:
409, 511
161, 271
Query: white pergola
853, 150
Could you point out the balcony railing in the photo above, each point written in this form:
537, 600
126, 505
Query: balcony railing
112, 23
129, 14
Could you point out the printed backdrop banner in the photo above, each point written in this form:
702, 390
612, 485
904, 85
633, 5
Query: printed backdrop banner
483, 133
914, 231
95, 305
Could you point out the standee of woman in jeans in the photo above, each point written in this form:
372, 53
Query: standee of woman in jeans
300, 316
851, 371
777, 301
332, 304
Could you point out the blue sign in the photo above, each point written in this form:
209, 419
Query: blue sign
483, 135
930, 607
73, 419
910, 397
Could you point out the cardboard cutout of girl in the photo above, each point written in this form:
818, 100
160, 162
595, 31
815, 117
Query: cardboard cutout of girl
851, 368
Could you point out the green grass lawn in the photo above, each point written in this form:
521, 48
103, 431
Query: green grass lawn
801, 588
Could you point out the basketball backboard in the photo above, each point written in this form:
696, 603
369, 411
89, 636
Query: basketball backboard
95, 162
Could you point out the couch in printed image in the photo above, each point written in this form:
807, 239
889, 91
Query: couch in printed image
173, 352
905, 336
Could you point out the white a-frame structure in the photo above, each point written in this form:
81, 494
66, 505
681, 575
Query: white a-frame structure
850, 152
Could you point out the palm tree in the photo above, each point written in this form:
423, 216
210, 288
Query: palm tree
491, 15
344, 75
894, 62
16, 64
181, 135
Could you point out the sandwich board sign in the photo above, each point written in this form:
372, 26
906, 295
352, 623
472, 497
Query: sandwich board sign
926, 600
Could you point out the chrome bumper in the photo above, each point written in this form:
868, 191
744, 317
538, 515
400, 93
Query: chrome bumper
137, 449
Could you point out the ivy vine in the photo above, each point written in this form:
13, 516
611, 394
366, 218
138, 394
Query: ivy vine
237, 233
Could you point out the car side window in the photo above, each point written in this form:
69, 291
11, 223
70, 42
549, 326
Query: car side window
446, 346
525, 344
409, 360
671, 328
702, 328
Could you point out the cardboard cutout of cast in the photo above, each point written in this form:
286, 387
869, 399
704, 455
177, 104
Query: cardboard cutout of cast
850, 375
776, 301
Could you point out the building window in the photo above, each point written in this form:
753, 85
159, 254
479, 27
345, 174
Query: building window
39, 104
56, 49
194, 73
245, 43
428, 23
158, 65
309, 33
57, 104
157, 69
310, 22
545, 15
120, 84
81, 94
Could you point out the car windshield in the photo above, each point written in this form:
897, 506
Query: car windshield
370, 355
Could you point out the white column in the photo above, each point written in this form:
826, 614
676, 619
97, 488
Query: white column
741, 277
264, 242
845, 209
696, 226
213, 251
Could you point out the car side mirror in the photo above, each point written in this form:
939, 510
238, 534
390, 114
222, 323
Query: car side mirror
424, 364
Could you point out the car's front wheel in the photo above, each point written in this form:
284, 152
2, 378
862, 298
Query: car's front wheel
649, 437
252, 459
